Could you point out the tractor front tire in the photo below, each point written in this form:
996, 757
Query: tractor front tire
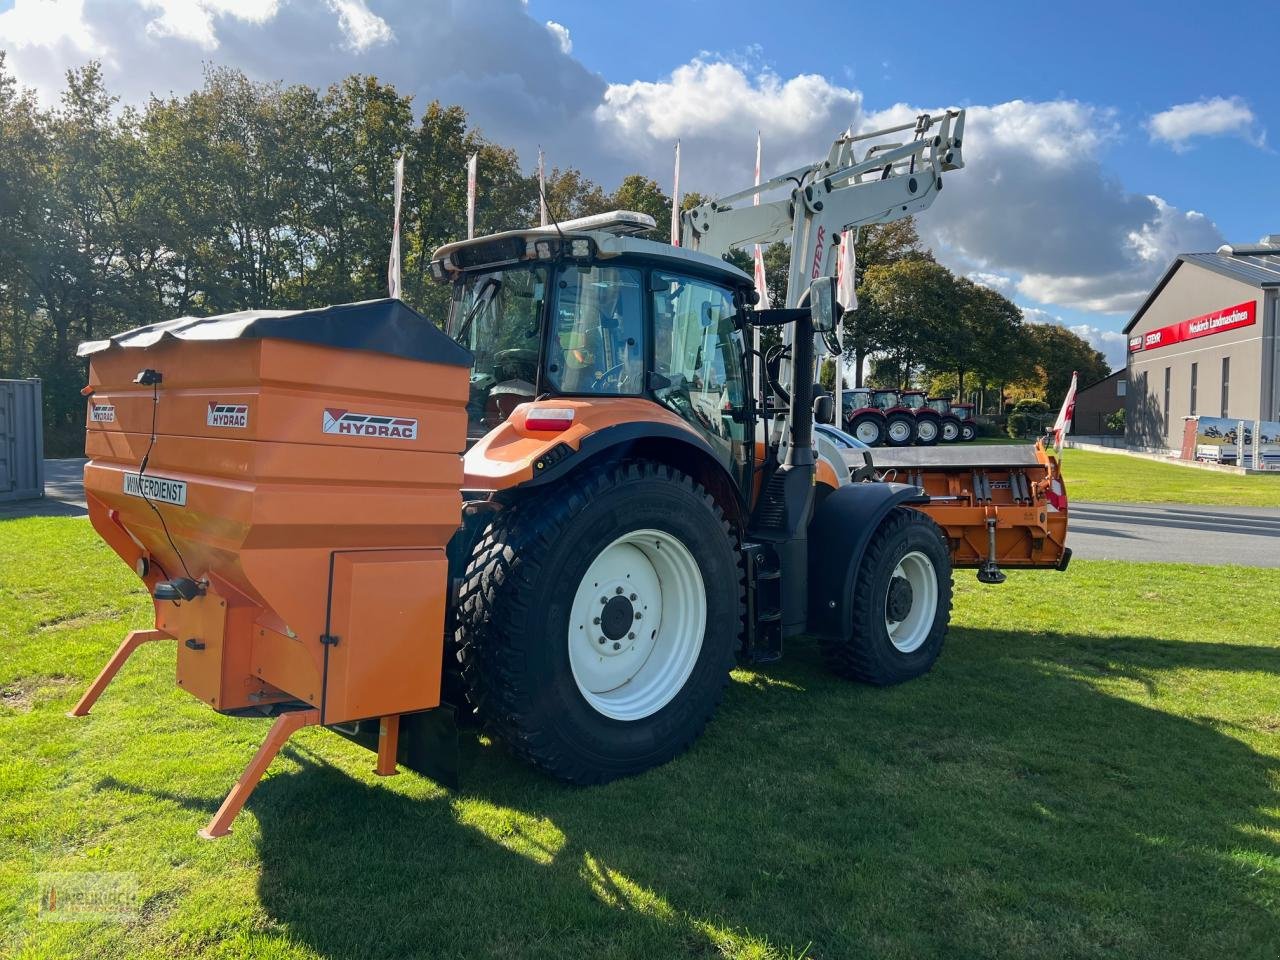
900, 430
901, 603
950, 429
968, 432
599, 621
868, 428
927, 431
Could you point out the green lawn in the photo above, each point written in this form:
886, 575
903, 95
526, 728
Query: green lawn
1093, 770
1118, 478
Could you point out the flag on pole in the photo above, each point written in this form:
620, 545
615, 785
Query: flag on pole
1062, 426
761, 286
675, 202
471, 195
542, 191
393, 265
845, 270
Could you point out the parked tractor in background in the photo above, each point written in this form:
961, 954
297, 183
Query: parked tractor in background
968, 425
948, 422
928, 422
900, 421
862, 418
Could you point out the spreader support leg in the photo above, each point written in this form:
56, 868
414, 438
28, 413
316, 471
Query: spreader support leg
131, 643
388, 745
285, 726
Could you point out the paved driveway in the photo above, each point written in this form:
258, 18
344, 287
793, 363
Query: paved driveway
1175, 533
63, 493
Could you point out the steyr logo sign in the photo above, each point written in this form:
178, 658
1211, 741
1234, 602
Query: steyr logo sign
1230, 318
355, 424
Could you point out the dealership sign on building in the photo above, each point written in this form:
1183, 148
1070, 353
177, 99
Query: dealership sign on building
1241, 315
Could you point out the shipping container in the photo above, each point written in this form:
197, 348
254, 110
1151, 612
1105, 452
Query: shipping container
21, 440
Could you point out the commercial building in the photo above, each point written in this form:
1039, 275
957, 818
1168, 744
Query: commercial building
1204, 343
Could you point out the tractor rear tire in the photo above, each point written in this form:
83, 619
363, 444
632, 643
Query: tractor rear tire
901, 603
928, 430
582, 690
950, 429
900, 430
968, 432
862, 427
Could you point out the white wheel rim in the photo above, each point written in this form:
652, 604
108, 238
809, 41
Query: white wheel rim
926, 430
867, 432
899, 431
909, 633
637, 671
949, 431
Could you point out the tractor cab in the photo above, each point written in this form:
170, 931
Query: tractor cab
912, 399
588, 312
885, 399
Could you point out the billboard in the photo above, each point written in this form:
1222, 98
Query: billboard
1218, 441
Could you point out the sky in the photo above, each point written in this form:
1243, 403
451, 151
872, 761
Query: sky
1102, 138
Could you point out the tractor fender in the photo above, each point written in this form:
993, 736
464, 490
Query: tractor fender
841, 528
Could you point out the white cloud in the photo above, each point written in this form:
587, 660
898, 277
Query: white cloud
561, 33
996, 281
193, 20
1211, 117
1035, 204
363, 28
714, 108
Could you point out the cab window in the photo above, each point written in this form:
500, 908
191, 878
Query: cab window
597, 331
697, 354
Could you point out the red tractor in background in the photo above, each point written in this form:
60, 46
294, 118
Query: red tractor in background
968, 425
949, 423
928, 422
862, 418
900, 421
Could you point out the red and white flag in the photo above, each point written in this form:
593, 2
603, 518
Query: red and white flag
471, 195
542, 191
846, 270
675, 202
1062, 426
393, 264
761, 287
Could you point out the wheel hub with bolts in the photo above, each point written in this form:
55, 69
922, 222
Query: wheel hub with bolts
898, 603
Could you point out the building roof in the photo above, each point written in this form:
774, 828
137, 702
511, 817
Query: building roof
1256, 264
1110, 376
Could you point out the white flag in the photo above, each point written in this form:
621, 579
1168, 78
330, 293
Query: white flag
761, 287
675, 202
393, 265
471, 195
542, 191
845, 273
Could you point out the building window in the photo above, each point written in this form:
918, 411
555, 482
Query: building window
1122, 387
1167, 375
1226, 384
1195, 378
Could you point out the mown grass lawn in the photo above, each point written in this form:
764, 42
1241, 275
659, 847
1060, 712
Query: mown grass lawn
1093, 770
1116, 478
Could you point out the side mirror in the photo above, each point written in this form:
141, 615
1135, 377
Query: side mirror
822, 304
824, 408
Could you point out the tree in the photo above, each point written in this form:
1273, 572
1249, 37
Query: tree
908, 309
1056, 353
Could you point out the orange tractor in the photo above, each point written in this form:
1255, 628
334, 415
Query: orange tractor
569, 513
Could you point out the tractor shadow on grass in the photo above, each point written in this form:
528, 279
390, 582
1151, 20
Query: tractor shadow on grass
1004, 805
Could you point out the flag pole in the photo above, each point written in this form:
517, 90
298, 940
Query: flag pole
675, 202
393, 264
471, 195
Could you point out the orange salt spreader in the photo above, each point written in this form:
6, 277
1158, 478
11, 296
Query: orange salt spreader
286, 484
